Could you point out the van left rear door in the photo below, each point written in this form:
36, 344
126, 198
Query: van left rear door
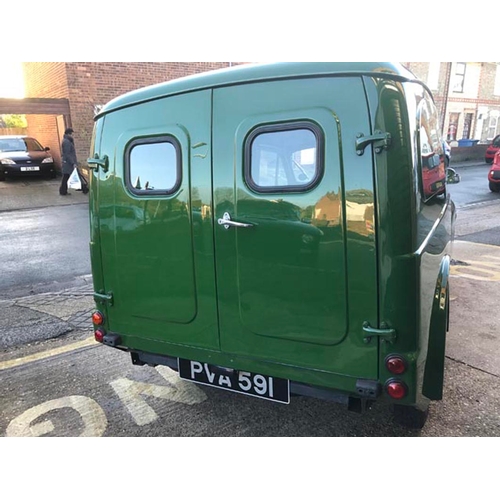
155, 220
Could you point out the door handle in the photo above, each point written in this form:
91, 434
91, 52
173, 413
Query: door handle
227, 222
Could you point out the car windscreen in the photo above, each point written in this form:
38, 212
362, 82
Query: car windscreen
19, 144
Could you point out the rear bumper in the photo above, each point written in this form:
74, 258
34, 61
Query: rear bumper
367, 390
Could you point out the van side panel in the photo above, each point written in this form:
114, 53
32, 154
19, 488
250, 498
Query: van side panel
413, 232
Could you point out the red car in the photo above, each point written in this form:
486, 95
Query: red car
494, 174
492, 150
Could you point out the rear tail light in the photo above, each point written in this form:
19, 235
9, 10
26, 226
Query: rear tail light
396, 389
395, 364
99, 335
97, 318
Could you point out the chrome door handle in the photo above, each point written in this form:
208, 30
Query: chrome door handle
227, 222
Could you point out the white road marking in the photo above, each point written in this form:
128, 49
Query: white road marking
93, 417
131, 394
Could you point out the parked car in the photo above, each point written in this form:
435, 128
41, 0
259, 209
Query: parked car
22, 155
494, 174
493, 148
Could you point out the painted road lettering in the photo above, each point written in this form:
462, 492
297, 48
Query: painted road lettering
132, 393
93, 418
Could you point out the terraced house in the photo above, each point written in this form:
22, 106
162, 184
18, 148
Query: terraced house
467, 95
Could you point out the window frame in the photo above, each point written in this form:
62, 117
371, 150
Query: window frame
284, 127
459, 76
148, 141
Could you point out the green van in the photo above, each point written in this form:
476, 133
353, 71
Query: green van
277, 229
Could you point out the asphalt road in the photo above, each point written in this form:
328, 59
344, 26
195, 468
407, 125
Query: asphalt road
92, 390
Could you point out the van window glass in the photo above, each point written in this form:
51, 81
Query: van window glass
283, 158
153, 166
432, 169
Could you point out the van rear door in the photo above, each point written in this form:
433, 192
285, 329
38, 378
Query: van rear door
155, 222
294, 219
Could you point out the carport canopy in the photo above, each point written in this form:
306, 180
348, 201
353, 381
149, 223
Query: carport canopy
34, 106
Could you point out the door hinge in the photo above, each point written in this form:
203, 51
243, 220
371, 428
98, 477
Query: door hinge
384, 333
104, 298
380, 140
96, 162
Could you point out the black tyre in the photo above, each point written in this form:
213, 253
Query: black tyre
410, 417
488, 160
2, 176
494, 187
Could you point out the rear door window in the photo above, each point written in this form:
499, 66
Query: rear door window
284, 158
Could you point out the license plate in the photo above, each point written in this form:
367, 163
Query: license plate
29, 169
251, 384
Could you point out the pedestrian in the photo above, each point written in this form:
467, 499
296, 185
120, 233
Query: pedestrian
69, 161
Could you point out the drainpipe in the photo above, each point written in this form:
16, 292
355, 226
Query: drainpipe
446, 94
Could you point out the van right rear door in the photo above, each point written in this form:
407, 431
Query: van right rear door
294, 208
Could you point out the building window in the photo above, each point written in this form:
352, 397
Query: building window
284, 158
153, 166
467, 125
492, 127
459, 77
433, 76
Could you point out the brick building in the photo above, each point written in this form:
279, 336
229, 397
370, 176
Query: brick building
87, 86
467, 95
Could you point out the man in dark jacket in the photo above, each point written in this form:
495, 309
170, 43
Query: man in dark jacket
69, 161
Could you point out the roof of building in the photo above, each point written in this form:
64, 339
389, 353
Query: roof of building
254, 72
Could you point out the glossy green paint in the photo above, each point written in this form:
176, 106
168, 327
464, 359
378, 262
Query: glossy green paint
289, 296
296, 287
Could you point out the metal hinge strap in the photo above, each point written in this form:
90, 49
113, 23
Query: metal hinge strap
381, 141
96, 162
104, 298
384, 333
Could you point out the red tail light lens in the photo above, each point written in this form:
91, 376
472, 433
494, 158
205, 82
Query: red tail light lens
395, 364
98, 318
99, 335
396, 389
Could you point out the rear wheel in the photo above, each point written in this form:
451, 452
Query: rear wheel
410, 417
2, 176
495, 187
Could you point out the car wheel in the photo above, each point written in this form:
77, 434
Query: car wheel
488, 160
494, 187
410, 417
2, 176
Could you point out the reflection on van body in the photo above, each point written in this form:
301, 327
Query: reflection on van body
278, 229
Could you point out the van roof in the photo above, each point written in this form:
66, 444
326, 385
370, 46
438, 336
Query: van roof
254, 72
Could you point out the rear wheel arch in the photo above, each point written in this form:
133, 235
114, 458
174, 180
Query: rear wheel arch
439, 324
